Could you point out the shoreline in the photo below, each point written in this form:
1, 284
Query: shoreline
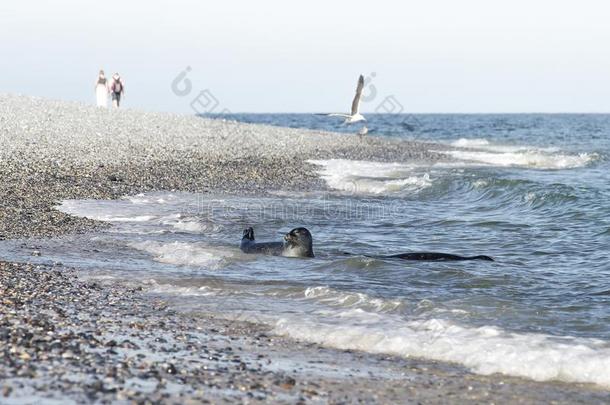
95, 341
56, 150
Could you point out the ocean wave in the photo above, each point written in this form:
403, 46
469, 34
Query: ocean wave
186, 254
484, 152
189, 224
507, 192
152, 286
364, 177
484, 350
346, 299
481, 143
138, 210
530, 159
102, 210
141, 199
136, 218
469, 143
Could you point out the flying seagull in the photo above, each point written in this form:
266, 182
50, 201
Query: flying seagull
355, 115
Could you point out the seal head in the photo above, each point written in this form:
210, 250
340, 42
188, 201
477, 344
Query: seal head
298, 243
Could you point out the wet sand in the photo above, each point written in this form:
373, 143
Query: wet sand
66, 337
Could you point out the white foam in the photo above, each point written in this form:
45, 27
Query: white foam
102, 210
484, 144
137, 210
186, 254
201, 291
141, 199
531, 159
480, 183
364, 177
189, 226
183, 223
333, 297
485, 350
485, 152
112, 218
470, 143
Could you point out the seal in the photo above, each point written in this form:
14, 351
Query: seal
433, 256
297, 243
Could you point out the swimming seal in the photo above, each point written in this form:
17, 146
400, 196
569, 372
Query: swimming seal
297, 243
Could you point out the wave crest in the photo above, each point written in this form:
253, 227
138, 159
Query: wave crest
485, 350
484, 152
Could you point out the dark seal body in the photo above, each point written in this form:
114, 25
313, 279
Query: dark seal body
297, 243
433, 256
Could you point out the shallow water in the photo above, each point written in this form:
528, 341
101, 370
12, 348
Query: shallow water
529, 190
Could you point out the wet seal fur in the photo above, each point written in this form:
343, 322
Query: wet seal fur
433, 256
297, 243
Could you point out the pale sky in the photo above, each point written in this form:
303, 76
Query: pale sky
283, 56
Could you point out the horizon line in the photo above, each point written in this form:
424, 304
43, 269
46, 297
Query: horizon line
424, 113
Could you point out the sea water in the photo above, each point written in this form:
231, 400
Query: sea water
532, 191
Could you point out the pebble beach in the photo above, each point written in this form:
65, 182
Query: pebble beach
66, 338
54, 150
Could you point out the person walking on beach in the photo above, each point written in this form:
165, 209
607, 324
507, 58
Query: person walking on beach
101, 90
117, 89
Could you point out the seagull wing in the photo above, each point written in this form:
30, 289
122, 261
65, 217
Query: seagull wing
338, 115
356, 102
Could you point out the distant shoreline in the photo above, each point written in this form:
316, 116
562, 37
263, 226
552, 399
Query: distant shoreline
57, 150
